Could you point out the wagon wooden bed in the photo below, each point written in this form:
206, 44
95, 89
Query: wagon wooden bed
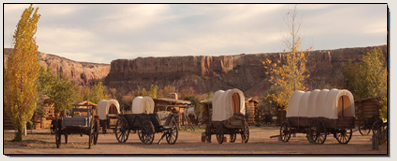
319, 113
108, 111
81, 121
228, 116
146, 123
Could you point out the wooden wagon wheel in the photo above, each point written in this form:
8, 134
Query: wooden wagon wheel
318, 132
122, 130
58, 132
208, 133
91, 135
219, 133
66, 138
245, 135
96, 131
103, 124
147, 130
285, 131
343, 135
172, 134
233, 137
363, 128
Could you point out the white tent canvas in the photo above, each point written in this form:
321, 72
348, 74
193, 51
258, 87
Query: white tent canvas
103, 107
224, 101
326, 103
142, 105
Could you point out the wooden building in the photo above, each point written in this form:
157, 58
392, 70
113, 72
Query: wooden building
251, 109
367, 108
174, 105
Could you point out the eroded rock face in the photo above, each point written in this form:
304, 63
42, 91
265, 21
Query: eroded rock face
81, 73
211, 73
202, 73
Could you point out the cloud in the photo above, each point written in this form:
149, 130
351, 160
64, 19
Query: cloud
104, 32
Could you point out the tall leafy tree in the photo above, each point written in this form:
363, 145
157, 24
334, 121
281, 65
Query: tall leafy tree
288, 74
153, 91
20, 92
368, 78
96, 93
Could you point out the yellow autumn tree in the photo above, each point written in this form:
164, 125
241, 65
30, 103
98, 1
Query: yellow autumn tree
288, 73
20, 90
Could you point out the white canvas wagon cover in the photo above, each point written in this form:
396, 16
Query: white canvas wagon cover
104, 105
325, 103
143, 104
226, 103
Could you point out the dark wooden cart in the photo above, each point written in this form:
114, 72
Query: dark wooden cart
146, 125
82, 123
220, 123
318, 125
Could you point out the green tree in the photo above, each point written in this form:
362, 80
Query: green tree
96, 93
368, 78
153, 91
20, 92
63, 93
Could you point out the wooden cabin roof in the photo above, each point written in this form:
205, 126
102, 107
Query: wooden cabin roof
173, 101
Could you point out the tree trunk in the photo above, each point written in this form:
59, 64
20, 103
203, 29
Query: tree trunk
18, 135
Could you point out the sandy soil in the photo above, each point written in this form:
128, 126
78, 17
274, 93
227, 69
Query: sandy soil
42, 142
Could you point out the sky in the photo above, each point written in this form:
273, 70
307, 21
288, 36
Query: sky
101, 33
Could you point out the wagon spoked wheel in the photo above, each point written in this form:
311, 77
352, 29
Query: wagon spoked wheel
285, 132
344, 135
208, 133
233, 137
363, 128
104, 127
122, 131
147, 132
58, 133
318, 132
172, 134
96, 132
245, 135
66, 138
91, 134
219, 133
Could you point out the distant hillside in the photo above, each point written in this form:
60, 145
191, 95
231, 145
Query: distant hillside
81, 73
202, 73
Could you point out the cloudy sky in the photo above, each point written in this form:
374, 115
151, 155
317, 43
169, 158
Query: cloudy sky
104, 32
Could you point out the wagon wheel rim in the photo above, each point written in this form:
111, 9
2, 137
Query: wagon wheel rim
363, 129
285, 132
320, 132
312, 135
245, 133
172, 134
344, 135
96, 132
219, 133
208, 133
122, 131
147, 132
91, 135
58, 134
233, 137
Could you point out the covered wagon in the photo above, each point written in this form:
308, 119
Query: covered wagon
108, 111
144, 121
319, 113
228, 116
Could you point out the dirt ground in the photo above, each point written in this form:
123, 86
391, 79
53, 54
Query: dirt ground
42, 142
